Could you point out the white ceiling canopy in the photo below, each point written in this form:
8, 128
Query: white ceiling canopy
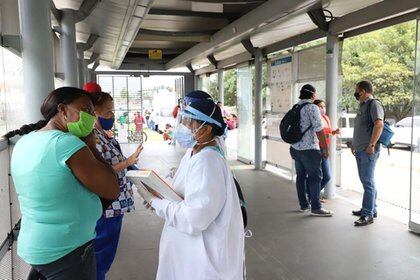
116, 22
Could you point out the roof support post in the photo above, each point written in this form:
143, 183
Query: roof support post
259, 58
220, 86
68, 48
81, 65
37, 55
331, 83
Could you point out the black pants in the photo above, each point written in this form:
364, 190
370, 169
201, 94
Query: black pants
79, 264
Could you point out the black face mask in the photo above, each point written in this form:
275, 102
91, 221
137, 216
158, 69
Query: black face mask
357, 96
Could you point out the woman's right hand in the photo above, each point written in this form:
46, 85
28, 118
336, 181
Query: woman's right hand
90, 140
135, 156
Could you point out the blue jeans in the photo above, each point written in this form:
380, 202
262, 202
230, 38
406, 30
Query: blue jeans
326, 173
366, 168
106, 243
308, 175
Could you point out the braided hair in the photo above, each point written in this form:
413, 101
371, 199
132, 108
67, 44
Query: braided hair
49, 108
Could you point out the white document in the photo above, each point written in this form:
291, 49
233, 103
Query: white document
151, 181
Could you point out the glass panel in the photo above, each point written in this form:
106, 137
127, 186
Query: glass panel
13, 77
415, 142
245, 114
106, 83
3, 126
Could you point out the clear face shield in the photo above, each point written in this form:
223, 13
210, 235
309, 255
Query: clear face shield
186, 133
189, 114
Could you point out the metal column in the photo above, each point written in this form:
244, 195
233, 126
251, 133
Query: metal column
68, 48
332, 104
37, 55
258, 109
81, 64
197, 82
220, 86
87, 74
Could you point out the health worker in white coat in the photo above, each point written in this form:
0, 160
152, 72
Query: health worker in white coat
203, 236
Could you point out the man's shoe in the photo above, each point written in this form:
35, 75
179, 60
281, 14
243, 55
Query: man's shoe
363, 221
304, 210
321, 213
359, 213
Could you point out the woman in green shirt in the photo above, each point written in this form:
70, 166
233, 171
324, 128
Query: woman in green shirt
59, 176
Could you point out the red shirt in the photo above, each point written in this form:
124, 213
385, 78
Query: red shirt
138, 121
327, 130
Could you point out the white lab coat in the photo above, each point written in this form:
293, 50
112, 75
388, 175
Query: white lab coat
203, 236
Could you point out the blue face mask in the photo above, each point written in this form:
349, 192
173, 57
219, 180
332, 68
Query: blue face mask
106, 124
184, 136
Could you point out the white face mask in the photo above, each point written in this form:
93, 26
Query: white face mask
184, 136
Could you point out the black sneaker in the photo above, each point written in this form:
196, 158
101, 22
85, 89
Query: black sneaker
359, 213
363, 221
321, 213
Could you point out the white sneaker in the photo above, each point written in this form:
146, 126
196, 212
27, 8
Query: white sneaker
322, 213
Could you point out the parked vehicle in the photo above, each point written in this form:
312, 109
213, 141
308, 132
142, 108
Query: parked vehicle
346, 127
402, 130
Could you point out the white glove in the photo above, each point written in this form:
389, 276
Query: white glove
145, 194
171, 173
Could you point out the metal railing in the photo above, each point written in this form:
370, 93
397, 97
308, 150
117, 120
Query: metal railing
11, 266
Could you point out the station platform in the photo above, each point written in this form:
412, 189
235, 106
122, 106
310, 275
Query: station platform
286, 244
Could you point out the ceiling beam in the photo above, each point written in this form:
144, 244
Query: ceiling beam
86, 9
231, 1
212, 60
189, 66
183, 13
264, 14
226, 63
382, 24
164, 50
337, 24
95, 65
249, 46
93, 58
175, 33
318, 18
136, 73
372, 14
56, 12
178, 38
294, 41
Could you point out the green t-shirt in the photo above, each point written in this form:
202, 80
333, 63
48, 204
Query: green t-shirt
58, 213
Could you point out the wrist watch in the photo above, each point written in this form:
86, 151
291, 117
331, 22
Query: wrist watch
372, 145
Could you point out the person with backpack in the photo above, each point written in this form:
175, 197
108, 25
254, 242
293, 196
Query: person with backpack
368, 128
303, 128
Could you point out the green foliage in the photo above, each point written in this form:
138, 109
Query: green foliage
386, 58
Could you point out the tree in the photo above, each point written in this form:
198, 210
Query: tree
386, 58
